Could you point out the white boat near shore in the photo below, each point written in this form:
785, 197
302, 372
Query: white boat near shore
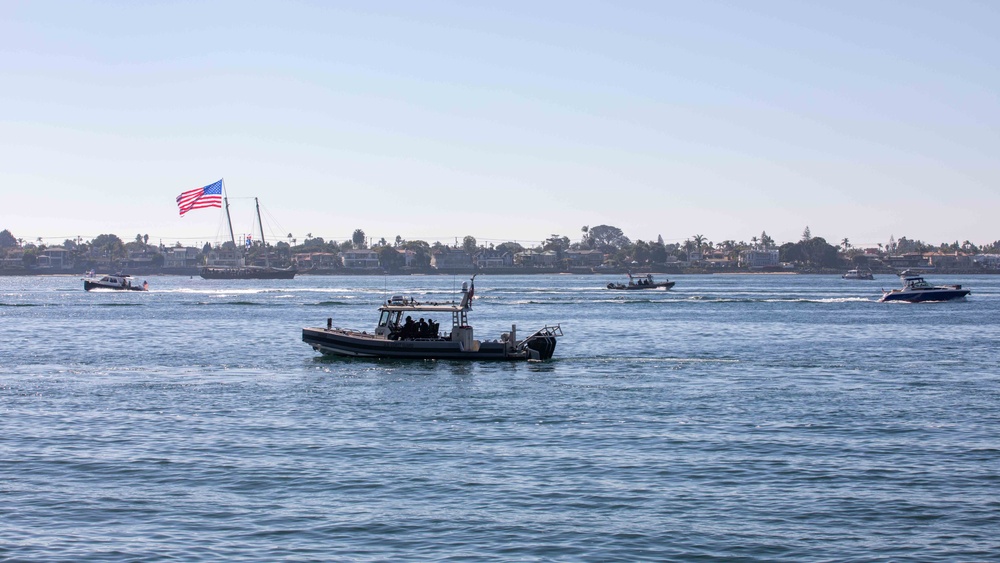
115, 282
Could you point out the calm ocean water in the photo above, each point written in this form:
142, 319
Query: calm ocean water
736, 417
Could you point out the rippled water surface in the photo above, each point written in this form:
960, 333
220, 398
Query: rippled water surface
770, 417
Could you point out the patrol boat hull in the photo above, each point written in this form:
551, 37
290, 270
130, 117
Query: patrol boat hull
394, 339
348, 343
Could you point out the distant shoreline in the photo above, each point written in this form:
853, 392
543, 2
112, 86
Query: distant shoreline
511, 272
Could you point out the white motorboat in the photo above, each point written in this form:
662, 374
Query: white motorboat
858, 275
116, 282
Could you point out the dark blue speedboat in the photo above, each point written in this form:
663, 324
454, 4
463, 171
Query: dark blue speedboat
916, 290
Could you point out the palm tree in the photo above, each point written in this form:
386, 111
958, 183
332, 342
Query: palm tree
358, 238
698, 241
846, 244
753, 241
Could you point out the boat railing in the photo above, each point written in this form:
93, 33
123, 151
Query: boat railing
544, 332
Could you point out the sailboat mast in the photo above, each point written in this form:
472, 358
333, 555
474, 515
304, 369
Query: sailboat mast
267, 262
229, 220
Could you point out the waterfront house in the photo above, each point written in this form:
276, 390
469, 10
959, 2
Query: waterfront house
757, 259
360, 259
909, 261
718, 259
14, 260
55, 258
584, 258
180, 257
948, 260
493, 259
536, 259
139, 260
409, 257
316, 261
451, 258
987, 261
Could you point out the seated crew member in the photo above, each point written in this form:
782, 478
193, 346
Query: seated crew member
409, 327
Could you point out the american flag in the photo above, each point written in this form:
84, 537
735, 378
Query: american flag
200, 198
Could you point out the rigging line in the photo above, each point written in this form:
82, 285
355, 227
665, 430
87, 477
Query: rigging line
220, 224
271, 218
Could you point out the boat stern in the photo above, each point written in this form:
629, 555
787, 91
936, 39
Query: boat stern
541, 345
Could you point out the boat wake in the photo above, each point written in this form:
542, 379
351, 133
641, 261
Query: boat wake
642, 360
232, 303
711, 299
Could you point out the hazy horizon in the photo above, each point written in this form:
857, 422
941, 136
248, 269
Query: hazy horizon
437, 120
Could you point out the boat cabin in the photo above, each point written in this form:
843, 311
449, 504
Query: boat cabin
400, 319
116, 281
916, 283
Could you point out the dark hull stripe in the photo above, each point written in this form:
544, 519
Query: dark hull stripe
666, 285
90, 285
921, 297
443, 350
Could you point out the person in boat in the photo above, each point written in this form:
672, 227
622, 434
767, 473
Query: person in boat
409, 327
422, 328
145, 285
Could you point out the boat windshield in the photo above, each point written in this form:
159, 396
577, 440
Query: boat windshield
389, 318
917, 283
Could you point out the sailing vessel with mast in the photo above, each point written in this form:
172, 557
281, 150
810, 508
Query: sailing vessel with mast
245, 271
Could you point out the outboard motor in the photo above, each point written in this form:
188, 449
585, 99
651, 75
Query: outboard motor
544, 346
540, 345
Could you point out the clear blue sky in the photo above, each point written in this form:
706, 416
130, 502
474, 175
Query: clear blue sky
504, 120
